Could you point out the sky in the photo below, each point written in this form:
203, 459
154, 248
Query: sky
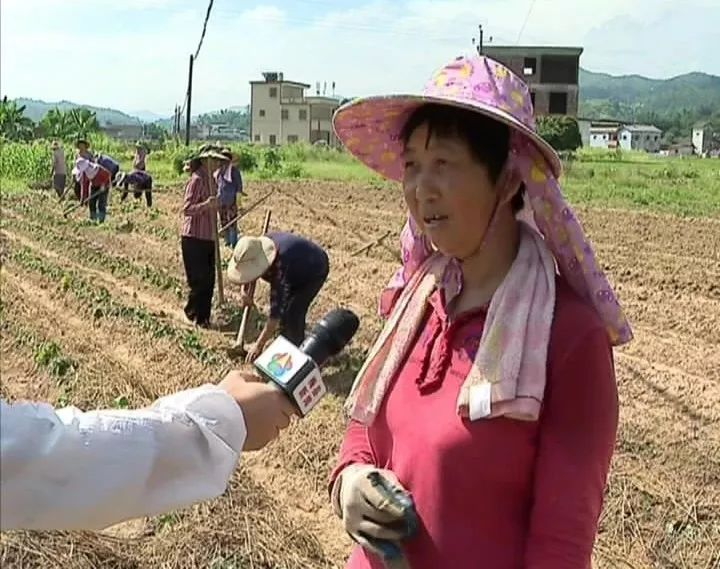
133, 55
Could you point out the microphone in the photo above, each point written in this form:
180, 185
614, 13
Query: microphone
296, 370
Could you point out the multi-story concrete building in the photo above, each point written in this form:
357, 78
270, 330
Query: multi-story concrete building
552, 74
281, 113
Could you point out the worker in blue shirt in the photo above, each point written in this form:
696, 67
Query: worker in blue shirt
296, 269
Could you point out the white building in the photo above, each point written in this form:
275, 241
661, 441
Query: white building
640, 137
281, 113
702, 139
603, 136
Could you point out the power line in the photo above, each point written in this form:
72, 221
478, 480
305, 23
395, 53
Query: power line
527, 17
204, 29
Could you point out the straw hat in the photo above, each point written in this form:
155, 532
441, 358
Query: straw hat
251, 258
370, 127
214, 154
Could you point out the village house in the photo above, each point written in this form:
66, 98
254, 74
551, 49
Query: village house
640, 137
552, 74
702, 139
614, 134
123, 131
281, 112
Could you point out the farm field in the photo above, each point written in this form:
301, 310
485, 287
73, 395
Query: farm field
92, 316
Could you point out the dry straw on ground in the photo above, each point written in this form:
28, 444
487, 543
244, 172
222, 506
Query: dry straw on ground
112, 311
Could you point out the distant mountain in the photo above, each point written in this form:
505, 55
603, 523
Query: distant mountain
672, 104
36, 110
149, 116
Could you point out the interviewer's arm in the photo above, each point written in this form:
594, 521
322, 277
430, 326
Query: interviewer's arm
66, 469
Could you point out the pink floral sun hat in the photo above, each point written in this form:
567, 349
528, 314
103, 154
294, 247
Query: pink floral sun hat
370, 129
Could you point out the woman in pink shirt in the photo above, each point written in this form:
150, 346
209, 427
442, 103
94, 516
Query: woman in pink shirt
489, 397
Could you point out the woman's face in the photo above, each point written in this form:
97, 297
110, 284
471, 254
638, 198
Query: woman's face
448, 192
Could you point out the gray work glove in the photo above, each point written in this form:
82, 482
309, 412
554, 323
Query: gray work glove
366, 511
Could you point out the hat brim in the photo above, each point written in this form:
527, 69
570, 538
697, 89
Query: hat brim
213, 154
251, 271
385, 117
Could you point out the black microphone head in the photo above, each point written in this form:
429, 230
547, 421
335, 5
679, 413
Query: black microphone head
330, 335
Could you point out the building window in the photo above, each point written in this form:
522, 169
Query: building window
273, 92
558, 103
257, 138
561, 69
285, 114
273, 140
529, 66
302, 114
292, 138
262, 112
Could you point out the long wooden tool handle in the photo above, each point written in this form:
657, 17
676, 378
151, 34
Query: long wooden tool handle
240, 339
214, 218
247, 210
96, 193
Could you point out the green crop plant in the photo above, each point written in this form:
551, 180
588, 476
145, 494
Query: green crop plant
98, 301
78, 249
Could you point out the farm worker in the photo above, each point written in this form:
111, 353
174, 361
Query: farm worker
296, 269
141, 152
59, 169
64, 469
229, 184
94, 186
83, 151
109, 163
490, 395
197, 244
141, 182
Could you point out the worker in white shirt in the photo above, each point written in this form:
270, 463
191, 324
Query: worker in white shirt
68, 470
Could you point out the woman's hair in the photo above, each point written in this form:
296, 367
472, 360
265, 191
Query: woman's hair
488, 139
194, 164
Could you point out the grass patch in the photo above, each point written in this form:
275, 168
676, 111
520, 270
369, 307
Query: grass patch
685, 187
341, 172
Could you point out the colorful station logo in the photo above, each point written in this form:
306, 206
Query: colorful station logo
280, 364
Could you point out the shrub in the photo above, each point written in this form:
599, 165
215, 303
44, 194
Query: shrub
561, 132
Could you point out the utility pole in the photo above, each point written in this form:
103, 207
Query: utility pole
189, 100
480, 40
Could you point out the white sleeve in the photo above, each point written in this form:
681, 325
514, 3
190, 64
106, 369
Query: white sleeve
69, 470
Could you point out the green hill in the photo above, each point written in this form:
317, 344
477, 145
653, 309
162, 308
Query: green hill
673, 105
36, 110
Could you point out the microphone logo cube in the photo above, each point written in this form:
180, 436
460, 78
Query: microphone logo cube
309, 391
282, 361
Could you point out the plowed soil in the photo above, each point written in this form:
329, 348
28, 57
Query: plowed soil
106, 304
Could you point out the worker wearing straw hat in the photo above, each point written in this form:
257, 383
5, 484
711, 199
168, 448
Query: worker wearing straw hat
229, 184
141, 182
94, 181
198, 243
141, 152
490, 394
296, 269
